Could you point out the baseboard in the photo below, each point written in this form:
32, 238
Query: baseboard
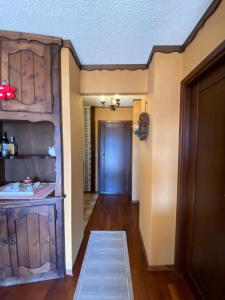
158, 268
69, 272
161, 268
135, 201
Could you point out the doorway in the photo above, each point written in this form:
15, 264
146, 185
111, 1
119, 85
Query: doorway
115, 145
201, 205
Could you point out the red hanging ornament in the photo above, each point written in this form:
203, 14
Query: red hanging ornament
10, 92
7, 92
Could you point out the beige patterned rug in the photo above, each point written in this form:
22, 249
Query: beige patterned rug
105, 272
89, 203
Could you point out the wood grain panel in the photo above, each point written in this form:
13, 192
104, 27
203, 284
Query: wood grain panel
44, 239
33, 240
48, 85
15, 73
5, 265
27, 77
52, 245
39, 79
4, 64
22, 242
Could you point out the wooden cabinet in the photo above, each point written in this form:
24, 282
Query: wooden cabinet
28, 242
27, 67
31, 231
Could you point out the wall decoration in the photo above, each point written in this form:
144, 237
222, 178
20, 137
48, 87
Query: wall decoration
142, 129
87, 148
7, 91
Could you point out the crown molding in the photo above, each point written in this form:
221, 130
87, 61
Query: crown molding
131, 67
68, 44
164, 49
210, 10
30, 37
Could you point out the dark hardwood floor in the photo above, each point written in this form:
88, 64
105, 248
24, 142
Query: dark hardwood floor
110, 213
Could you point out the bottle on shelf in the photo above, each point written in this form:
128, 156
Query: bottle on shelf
4, 145
13, 146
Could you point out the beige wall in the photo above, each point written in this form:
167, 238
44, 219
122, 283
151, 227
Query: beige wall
159, 159
136, 154
73, 156
159, 154
101, 114
114, 82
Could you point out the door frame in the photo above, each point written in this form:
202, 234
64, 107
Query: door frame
100, 122
183, 164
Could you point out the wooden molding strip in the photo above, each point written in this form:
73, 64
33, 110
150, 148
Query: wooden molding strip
13, 35
163, 49
181, 48
131, 67
68, 44
211, 9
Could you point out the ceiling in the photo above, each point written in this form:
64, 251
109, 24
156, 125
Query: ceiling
125, 100
107, 31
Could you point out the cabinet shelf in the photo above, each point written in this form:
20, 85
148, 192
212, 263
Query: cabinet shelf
12, 157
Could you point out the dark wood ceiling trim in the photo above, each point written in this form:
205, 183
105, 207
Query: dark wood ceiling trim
68, 44
164, 49
44, 39
211, 9
131, 67
181, 48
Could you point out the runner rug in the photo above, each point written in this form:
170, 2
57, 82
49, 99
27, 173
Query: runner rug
105, 272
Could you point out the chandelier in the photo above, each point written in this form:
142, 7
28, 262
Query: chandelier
113, 104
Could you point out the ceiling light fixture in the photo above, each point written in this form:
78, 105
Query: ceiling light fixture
113, 104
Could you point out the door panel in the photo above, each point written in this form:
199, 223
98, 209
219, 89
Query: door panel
5, 264
115, 157
33, 246
205, 231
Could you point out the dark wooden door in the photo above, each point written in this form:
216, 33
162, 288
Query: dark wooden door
115, 157
205, 229
32, 241
27, 67
5, 261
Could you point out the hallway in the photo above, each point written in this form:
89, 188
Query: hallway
110, 213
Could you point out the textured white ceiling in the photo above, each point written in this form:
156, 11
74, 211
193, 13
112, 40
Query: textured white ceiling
107, 31
125, 100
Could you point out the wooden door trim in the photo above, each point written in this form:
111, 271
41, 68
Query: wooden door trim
185, 108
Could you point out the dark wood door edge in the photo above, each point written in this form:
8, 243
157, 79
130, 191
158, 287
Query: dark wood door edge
213, 58
93, 150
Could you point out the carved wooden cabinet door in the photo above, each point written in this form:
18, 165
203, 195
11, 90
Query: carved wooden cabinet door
32, 241
27, 67
5, 263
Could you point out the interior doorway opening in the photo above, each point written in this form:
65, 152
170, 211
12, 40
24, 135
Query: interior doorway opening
110, 147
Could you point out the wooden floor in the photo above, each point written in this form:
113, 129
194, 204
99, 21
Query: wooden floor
110, 213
